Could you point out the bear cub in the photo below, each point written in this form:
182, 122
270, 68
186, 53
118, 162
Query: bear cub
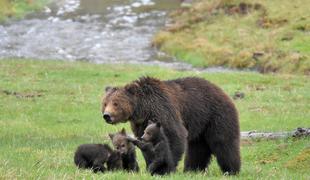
156, 150
95, 156
126, 149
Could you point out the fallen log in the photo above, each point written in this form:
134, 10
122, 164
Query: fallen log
299, 132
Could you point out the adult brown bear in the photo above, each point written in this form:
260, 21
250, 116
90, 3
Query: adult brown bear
191, 110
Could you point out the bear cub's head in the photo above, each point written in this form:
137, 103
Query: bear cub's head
120, 142
152, 132
119, 103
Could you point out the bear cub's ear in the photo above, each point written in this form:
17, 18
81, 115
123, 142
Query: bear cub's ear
151, 121
123, 131
111, 136
108, 88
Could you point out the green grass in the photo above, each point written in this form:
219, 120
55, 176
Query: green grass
207, 34
56, 107
19, 8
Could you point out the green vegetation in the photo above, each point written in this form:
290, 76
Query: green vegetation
48, 108
270, 36
19, 8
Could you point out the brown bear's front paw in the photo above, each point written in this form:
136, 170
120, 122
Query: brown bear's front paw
130, 139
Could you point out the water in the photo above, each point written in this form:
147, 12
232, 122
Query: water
98, 31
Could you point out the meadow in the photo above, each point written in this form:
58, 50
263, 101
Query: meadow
48, 108
268, 36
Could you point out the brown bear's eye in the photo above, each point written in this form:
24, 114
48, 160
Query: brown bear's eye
115, 104
123, 145
105, 104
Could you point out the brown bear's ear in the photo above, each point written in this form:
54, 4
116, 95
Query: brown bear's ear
123, 131
132, 88
111, 136
158, 124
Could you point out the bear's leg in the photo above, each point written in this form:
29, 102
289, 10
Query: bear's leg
177, 143
228, 156
198, 156
98, 165
82, 163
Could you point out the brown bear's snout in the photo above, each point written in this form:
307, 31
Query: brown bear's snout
143, 138
107, 117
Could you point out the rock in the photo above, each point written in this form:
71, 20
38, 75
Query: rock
186, 3
47, 10
256, 55
238, 95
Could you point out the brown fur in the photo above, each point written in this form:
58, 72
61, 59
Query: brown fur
95, 156
156, 150
126, 149
192, 111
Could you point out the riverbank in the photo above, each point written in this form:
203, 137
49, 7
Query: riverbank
268, 36
48, 108
19, 8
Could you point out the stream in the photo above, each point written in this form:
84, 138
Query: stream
98, 31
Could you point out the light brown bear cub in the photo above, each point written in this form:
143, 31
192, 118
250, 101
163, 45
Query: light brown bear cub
126, 149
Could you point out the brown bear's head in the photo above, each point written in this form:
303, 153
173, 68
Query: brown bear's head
119, 103
151, 132
120, 142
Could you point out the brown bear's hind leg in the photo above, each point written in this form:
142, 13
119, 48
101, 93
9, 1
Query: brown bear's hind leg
228, 157
198, 156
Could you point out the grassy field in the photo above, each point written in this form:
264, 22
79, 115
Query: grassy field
269, 36
19, 8
48, 108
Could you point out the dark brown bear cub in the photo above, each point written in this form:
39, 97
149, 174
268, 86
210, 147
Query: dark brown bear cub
156, 150
94, 156
126, 149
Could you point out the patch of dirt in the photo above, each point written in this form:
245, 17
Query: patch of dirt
242, 8
300, 162
269, 159
175, 27
258, 109
287, 87
256, 87
23, 94
274, 155
268, 68
282, 146
304, 28
266, 22
257, 55
246, 142
287, 37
